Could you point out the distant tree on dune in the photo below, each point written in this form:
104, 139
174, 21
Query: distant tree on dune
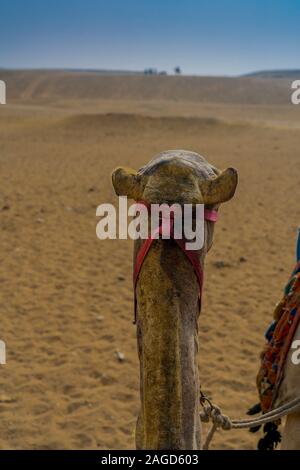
177, 70
150, 71
154, 71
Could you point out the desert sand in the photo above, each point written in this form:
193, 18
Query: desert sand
66, 298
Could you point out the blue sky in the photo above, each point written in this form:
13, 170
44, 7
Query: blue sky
202, 36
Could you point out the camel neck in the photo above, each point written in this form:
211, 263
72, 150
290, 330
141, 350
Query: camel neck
167, 299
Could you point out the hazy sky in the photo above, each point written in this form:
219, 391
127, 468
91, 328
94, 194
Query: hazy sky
202, 36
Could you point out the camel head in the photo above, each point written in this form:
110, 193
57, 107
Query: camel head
167, 298
177, 176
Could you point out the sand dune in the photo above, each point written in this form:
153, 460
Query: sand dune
53, 85
66, 297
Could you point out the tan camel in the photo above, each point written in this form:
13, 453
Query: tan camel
290, 389
167, 299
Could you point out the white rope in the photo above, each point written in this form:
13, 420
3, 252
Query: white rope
219, 420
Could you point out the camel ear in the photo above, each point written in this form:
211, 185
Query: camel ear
221, 188
128, 182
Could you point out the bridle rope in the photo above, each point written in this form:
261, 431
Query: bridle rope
213, 413
193, 256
